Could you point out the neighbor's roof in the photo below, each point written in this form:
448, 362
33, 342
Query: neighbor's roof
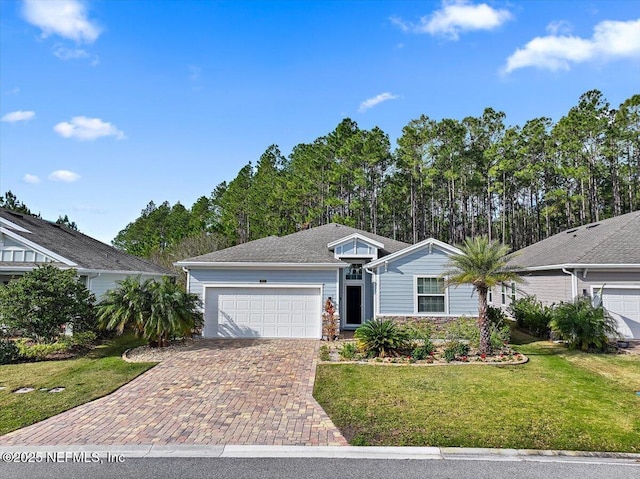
304, 247
85, 252
614, 241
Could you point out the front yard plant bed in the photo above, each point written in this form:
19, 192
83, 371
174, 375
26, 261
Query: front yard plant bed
334, 353
560, 399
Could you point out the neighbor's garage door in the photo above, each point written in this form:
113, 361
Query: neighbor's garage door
248, 312
624, 306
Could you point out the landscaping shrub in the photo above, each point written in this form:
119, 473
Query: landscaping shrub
379, 338
418, 330
324, 353
466, 329
500, 335
500, 330
81, 340
60, 297
582, 325
455, 349
9, 352
463, 328
38, 352
348, 351
155, 310
423, 351
532, 315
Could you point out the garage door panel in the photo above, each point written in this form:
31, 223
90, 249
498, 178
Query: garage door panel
262, 312
624, 306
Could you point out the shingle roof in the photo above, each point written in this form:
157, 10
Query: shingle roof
308, 246
86, 252
608, 242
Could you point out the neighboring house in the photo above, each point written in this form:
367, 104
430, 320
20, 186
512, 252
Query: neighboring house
276, 286
27, 242
602, 256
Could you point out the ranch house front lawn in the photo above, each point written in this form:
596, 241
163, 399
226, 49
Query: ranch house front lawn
560, 399
85, 378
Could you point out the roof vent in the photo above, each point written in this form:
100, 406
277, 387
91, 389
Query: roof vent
571, 231
593, 226
13, 213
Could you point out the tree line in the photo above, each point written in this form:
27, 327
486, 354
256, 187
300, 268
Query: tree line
448, 179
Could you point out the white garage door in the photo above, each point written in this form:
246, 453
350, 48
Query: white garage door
264, 312
624, 306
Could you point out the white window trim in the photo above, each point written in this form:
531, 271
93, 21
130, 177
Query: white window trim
503, 294
415, 296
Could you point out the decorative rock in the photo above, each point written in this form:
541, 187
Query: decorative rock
23, 390
43, 389
3, 387
56, 390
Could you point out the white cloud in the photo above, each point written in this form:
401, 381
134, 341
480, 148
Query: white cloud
559, 26
65, 18
64, 175
19, 115
454, 17
64, 53
611, 40
371, 102
85, 129
29, 178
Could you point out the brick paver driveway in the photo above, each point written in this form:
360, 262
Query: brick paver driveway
220, 392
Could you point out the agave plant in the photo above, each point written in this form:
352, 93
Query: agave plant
381, 338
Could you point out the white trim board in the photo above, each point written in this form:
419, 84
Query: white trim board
37, 247
258, 265
631, 266
429, 242
355, 236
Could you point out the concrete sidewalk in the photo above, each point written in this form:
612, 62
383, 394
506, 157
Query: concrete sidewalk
7, 453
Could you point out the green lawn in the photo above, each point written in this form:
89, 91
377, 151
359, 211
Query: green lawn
85, 378
559, 400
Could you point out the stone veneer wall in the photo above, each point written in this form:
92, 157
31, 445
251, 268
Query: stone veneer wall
436, 323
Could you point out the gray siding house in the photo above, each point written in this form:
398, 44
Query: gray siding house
600, 260
27, 242
277, 286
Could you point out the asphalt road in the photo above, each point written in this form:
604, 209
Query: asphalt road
282, 468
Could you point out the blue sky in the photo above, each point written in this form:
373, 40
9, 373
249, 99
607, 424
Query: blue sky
106, 105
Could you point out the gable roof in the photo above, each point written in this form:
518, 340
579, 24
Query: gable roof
308, 247
70, 248
447, 248
614, 242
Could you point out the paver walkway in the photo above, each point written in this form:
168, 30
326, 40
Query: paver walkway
219, 392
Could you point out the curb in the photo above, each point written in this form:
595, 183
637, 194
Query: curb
331, 452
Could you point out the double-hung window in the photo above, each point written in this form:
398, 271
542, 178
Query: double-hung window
431, 297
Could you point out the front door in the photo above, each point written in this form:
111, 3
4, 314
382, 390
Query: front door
354, 305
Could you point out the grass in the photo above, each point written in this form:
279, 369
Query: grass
85, 378
560, 399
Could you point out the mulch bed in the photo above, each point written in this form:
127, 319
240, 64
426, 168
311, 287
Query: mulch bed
504, 357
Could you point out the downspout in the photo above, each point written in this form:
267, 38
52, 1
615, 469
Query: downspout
188, 282
574, 282
376, 291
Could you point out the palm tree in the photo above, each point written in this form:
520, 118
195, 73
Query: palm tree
125, 306
173, 312
155, 310
484, 264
